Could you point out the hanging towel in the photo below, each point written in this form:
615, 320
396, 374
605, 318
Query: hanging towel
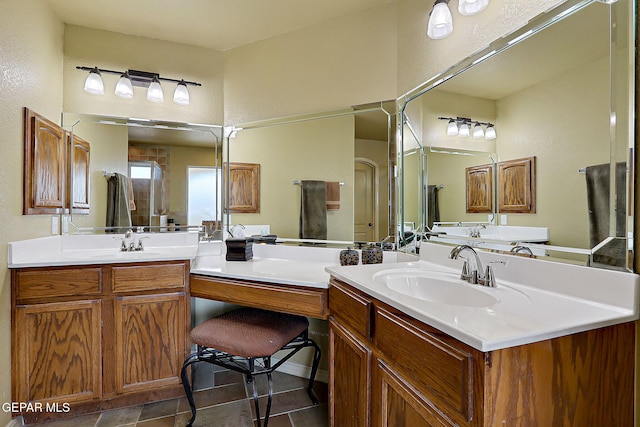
598, 190
333, 196
132, 201
313, 210
118, 214
433, 208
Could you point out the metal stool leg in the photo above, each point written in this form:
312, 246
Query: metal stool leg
190, 360
314, 371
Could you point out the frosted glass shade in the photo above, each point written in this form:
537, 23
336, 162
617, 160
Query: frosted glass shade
93, 84
440, 21
478, 133
181, 95
124, 88
154, 92
471, 7
452, 128
464, 130
490, 133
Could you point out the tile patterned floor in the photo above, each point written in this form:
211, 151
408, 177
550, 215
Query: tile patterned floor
223, 399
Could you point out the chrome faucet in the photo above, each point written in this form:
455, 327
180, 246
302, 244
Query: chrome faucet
519, 249
474, 276
475, 232
129, 242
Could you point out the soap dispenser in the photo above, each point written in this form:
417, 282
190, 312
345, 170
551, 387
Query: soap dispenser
372, 254
349, 256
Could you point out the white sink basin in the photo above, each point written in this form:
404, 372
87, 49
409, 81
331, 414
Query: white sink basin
435, 286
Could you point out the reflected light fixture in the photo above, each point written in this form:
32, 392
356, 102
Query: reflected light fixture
471, 7
94, 84
440, 20
181, 94
130, 78
154, 92
124, 88
461, 126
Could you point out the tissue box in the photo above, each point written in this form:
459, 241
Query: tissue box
239, 249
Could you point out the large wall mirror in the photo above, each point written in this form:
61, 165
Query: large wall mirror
559, 93
173, 170
348, 149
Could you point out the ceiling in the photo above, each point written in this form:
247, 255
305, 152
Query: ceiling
215, 24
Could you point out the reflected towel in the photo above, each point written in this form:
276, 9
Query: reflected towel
132, 201
333, 196
433, 208
313, 210
118, 214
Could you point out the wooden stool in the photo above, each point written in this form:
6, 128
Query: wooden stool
238, 339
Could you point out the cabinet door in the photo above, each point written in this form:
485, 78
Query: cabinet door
150, 337
57, 352
396, 403
45, 156
79, 185
349, 379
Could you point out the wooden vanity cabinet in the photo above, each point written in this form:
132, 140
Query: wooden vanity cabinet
388, 369
99, 337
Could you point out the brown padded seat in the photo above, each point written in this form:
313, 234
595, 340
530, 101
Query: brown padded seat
249, 332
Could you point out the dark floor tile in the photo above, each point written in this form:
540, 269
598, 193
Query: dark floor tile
233, 414
159, 409
316, 416
80, 421
281, 382
227, 377
201, 375
118, 417
285, 402
214, 396
159, 422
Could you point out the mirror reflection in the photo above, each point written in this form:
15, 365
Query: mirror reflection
346, 152
560, 100
161, 176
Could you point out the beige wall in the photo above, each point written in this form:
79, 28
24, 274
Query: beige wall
316, 150
31, 76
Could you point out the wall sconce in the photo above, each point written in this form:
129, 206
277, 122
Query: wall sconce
124, 88
440, 19
461, 126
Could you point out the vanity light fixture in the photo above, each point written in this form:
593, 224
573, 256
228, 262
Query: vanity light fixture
440, 19
94, 84
461, 126
124, 88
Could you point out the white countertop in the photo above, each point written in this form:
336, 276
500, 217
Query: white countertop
535, 301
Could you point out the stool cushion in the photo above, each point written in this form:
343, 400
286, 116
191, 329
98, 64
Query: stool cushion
249, 332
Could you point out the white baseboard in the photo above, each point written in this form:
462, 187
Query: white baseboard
302, 371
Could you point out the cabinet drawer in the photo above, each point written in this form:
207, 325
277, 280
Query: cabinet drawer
442, 372
50, 283
352, 308
148, 277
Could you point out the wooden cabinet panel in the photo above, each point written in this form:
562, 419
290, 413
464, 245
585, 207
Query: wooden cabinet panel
244, 187
349, 379
44, 169
352, 308
48, 283
78, 180
517, 186
304, 301
442, 372
58, 356
150, 332
479, 189
131, 278
400, 404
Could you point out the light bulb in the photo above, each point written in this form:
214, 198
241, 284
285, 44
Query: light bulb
452, 128
93, 84
490, 133
478, 133
464, 130
181, 94
471, 7
154, 92
124, 88
440, 21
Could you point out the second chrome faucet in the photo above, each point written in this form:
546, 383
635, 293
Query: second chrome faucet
470, 274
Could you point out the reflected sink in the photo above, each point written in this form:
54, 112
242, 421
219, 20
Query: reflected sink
435, 286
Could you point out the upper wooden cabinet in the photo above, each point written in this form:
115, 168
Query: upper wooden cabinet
56, 168
479, 182
517, 185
